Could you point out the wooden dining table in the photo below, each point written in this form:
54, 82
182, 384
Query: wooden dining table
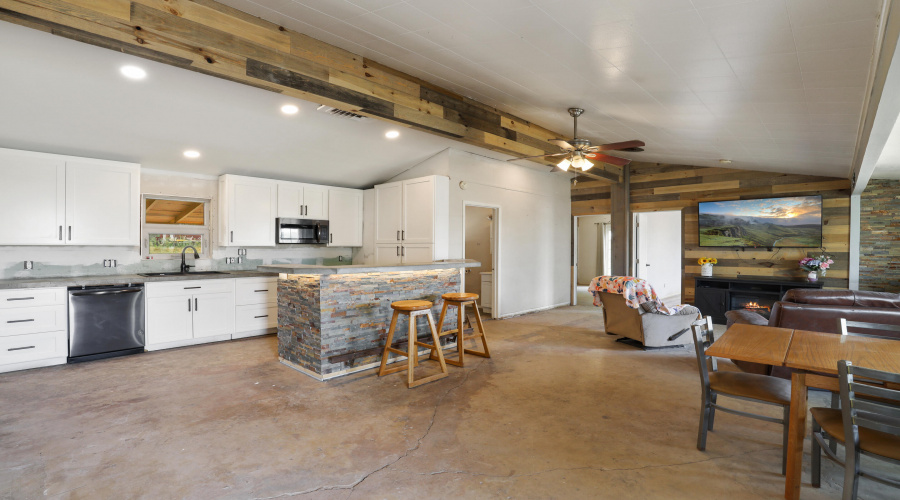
812, 358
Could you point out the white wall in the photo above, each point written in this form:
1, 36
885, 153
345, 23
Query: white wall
88, 260
534, 225
588, 264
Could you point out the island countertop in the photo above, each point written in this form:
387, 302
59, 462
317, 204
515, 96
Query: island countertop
362, 268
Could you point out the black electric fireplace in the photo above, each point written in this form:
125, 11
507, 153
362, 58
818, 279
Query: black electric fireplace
714, 296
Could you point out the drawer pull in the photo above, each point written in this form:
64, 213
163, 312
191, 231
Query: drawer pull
260, 290
20, 348
192, 287
263, 316
20, 320
21, 298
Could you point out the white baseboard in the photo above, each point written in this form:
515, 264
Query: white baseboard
187, 342
529, 311
27, 365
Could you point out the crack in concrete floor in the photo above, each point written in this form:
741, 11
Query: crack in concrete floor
405, 454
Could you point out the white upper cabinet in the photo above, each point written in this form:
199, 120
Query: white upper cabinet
102, 204
345, 217
414, 213
247, 211
56, 200
388, 212
32, 199
302, 201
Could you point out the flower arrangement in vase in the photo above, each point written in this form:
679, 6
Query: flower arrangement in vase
816, 265
706, 265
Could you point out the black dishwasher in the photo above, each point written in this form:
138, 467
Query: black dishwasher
105, 321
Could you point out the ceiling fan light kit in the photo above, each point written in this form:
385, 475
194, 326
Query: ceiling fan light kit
577, 151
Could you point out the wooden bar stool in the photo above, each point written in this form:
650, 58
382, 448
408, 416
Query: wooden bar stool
460, 300
413, 309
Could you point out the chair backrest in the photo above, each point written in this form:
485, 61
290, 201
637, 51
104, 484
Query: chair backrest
704, 336
863, 329
866, 405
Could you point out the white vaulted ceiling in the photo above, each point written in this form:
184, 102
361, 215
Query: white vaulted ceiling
770, 84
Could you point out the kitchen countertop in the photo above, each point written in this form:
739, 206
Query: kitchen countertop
362, 268
117, 279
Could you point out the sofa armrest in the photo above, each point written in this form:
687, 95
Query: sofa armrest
744, 316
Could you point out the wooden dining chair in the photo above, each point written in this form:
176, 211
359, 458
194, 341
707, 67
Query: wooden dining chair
861, 329
747, 386
868, 423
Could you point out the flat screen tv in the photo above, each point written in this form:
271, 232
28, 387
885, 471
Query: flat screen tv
790, 222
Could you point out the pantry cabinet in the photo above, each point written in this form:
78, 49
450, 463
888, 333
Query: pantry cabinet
412, 220
62, 200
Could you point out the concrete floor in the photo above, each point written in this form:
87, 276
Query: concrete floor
560, 411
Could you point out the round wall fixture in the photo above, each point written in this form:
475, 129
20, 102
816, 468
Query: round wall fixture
462, 184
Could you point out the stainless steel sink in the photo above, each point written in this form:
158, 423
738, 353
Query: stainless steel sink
178, 273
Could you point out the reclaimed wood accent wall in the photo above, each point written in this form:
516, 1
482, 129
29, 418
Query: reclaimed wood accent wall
656, 187
214, 39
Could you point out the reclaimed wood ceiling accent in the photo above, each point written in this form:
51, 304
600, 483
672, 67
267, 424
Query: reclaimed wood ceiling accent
658, 186
159, 211
214, 39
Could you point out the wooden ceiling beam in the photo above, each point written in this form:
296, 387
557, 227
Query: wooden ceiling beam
214, 39
187, 211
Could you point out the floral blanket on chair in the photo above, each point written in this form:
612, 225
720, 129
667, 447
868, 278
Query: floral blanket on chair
636, 292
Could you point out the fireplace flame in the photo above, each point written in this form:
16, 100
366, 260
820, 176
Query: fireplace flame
754, 306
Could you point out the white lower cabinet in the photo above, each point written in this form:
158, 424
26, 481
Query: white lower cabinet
183, 313
256, 306
34, 328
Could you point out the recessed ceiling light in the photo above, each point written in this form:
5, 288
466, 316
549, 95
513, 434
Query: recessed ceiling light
133, 72
392, 134
190, 153
724, 161
289, 109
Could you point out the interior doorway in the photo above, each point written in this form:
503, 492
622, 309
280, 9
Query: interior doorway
480, 242
593, 253
657, 252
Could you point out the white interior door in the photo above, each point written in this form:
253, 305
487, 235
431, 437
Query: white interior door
32, 199
388, 212
418, 211
658, 250
102, 204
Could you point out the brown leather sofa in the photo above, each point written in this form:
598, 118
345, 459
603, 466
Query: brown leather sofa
819, 310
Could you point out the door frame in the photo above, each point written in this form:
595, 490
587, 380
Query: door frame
495, 252
573, 299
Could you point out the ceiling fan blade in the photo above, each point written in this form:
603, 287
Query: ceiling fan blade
538, 156
563, 144
618, 146
612, 160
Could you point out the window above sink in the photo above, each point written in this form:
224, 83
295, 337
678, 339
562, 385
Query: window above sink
170, 224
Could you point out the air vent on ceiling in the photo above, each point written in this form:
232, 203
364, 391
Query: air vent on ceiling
340, 112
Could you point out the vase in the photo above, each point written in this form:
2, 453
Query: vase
706, 269
813, 277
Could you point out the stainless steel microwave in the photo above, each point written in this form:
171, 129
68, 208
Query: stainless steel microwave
301, 231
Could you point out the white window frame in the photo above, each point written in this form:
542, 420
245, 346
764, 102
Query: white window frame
147, 229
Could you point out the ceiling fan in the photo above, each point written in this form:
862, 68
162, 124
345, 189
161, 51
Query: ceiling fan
578, 152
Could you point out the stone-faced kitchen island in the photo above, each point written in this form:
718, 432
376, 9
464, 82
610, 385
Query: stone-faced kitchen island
333, 320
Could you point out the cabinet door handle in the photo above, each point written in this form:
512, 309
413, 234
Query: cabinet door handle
20, 320
403, 235
403, 251
20, 298
189, 304
330, 237
398, 235
192, 287
196, 305
266, 290
232, 236
398, 251
60, 233
70, 233
263, 316
20, 348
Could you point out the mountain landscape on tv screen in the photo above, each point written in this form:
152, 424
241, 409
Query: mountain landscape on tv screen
774, 222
